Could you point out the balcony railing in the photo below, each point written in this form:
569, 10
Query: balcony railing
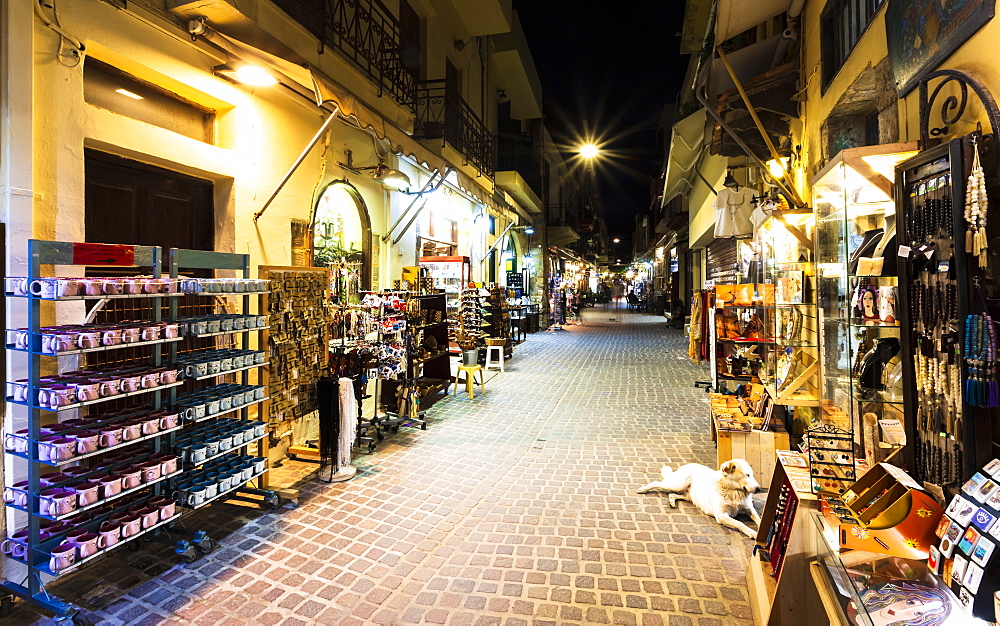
443, 114
365, 32
516, 153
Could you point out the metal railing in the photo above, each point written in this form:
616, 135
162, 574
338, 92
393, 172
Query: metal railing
366, 33
443, 114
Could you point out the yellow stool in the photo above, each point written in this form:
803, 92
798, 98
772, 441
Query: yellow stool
470, 379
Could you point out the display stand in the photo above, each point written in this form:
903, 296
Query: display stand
180, 259
298, 344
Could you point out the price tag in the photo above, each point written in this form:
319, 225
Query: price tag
102, 254
904, 252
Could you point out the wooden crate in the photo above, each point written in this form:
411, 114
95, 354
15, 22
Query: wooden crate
756, 447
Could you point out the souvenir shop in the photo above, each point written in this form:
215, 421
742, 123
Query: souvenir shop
851, 343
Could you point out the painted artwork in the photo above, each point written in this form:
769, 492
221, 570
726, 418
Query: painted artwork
903, 603
923, 33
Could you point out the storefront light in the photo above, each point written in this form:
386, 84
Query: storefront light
777, 168
254, 76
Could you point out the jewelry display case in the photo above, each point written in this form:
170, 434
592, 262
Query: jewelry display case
856, 288
791, 371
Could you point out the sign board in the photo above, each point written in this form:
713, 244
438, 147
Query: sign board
102, 254
515, 280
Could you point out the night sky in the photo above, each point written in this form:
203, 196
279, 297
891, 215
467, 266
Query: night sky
607, 70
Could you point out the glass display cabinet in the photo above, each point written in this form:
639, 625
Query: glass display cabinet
869, 589
791, 373
450, 274
857, 290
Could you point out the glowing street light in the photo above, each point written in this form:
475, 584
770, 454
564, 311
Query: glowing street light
589, 151
616, 240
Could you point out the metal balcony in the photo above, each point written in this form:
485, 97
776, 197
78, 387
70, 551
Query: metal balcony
367, 34
443, 114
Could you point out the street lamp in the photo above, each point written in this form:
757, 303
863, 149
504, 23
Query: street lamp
589, 151
616, 240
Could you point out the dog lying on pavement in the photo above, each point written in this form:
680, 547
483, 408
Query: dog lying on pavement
721, 493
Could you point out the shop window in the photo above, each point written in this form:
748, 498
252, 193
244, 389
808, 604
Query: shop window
109, 88
842, 24
441, 238
128, 202
341, 230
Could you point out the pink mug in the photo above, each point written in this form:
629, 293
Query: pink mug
92, 286
63, 556
150, 516
110, 387
111, 485
16, 442
131, 384
86, 492
150, 471
168, 464
130, 335
166, 506
150, 333
168, 422
110, 436
150, 380
85, 392
17, 494
131, 477
131, 431
131, 285
111, 534
150, 425
86, 545
56, 501
168, 376
131, 525
62, 449
111, 337
112, 286
16, 545
171, 331
89, 339
87, 441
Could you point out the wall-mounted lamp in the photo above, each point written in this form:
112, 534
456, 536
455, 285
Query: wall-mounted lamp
388, 177
528, 230
245, 74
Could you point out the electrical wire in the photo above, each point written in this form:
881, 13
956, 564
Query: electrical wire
71, 50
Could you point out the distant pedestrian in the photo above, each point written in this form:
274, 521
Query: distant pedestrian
617, 291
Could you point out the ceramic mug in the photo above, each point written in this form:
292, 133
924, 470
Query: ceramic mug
150, 516
150, 425
168, 464
131, 477
86, 545
16, 442
62, 556
111, 485
110, 436
130, 384
56, 501
168, 376
130, 335
169, 422
150, 380
92, 286
131, 525
110, 387
17, 494
62, 449
89, 339
85, 392
54, 287
16, 545
111, 337
151, 471
87, 441
17, 286
131, 431
111, 534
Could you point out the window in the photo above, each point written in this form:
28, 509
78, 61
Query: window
842, 24
109, 88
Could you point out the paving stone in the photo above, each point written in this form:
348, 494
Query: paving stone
516, 507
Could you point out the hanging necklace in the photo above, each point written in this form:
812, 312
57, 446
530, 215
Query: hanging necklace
981, 386
976, 206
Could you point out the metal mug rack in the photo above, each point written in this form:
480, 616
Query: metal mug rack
56, 253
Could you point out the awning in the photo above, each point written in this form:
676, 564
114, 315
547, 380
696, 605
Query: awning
295, 72
732, 17
686, 143
748, 62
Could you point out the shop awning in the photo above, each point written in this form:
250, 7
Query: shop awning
686, 142
732, 17
295, 72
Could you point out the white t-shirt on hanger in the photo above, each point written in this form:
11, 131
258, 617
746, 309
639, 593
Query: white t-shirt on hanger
732, 213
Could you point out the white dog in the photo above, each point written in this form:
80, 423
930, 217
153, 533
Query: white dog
721, 494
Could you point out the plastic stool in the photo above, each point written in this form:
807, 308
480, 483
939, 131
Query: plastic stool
489, 357
470, 379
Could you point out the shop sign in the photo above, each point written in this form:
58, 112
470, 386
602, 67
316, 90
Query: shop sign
102, 254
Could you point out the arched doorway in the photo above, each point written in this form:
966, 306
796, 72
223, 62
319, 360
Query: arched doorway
341, 229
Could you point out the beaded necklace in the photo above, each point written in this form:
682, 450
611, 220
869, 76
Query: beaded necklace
981, 386
976, 208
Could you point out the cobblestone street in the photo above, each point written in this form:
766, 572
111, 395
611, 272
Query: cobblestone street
514, 508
